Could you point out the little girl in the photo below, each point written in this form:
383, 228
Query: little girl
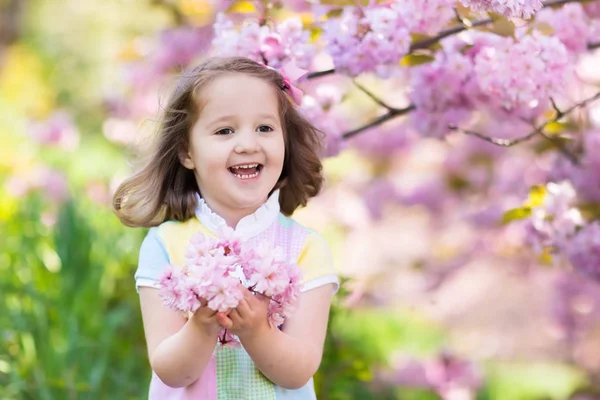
232, 150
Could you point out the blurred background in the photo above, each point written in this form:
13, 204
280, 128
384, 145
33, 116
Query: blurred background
437, 301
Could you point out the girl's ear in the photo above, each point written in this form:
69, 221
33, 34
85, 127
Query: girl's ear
185, 159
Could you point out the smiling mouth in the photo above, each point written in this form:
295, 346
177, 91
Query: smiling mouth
246, 171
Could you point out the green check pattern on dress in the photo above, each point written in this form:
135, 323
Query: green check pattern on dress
239, 378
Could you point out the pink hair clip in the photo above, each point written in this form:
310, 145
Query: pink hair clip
292, 73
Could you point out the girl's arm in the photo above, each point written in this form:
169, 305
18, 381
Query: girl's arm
289, 358
179, 350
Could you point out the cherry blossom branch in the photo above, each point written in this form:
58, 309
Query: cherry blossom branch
462, 26
551, 3
391, 114
593, 45
373, 97
537, 130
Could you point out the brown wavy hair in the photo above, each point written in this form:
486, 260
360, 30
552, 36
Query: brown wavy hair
163, 189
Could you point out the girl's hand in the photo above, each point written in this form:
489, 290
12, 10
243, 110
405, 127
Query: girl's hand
205, 319
249, 317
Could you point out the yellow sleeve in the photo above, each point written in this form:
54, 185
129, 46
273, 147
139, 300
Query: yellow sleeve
316, 262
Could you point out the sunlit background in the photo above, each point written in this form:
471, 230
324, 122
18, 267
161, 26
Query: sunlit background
437, 301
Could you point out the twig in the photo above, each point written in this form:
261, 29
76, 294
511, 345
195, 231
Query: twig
559, 113
551, 3
496, 141
373, 97
593, 45
537, 131
392, 113
425, 43
561, 147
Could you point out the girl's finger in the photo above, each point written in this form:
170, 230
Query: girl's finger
248, 294
224, 321
235, 317
244, 309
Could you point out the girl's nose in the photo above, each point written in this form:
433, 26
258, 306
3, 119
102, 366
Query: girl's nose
247, 142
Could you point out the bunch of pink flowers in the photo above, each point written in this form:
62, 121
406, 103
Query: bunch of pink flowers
218, 270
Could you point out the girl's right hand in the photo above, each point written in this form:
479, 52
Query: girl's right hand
205, 319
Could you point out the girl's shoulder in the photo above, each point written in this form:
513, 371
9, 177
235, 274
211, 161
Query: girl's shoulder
311, 250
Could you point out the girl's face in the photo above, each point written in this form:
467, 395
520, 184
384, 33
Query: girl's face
236, 146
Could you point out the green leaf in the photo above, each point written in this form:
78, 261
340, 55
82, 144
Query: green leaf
419, 37
242, 7
516, 214
412, 60
502, 26
536, 196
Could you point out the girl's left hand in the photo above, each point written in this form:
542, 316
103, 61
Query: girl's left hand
249, 317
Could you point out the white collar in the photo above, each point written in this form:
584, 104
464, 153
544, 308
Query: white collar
249, 226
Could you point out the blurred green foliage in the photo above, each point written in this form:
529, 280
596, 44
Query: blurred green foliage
70, 326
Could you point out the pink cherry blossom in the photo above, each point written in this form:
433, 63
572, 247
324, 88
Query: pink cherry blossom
277, 44
583, 251
215, 269
571, 25
229, 241
57, 130
199, 246
511, 8
270, 277
224, 293
592, 8
443, 374
521, 75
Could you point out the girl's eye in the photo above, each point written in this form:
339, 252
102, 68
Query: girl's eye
265, 128
224, 131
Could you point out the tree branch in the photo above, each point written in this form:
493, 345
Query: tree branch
425, 43
373, 97
551, 3
537, 130
496, 141
392, 113
593, 45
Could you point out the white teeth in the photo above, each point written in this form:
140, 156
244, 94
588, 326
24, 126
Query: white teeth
254, 175
245, 166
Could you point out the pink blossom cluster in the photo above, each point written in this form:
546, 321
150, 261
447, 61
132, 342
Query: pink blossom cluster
575, 304
510, 8
438, 92
558, 225
483, 71
583, 251
179, 46
317, 109
276, 44
571, 25
217, 271
592, 8
554, 222
448, 375
53, 183
375, 38
58, 130
522, 74
587, 171
173, 48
